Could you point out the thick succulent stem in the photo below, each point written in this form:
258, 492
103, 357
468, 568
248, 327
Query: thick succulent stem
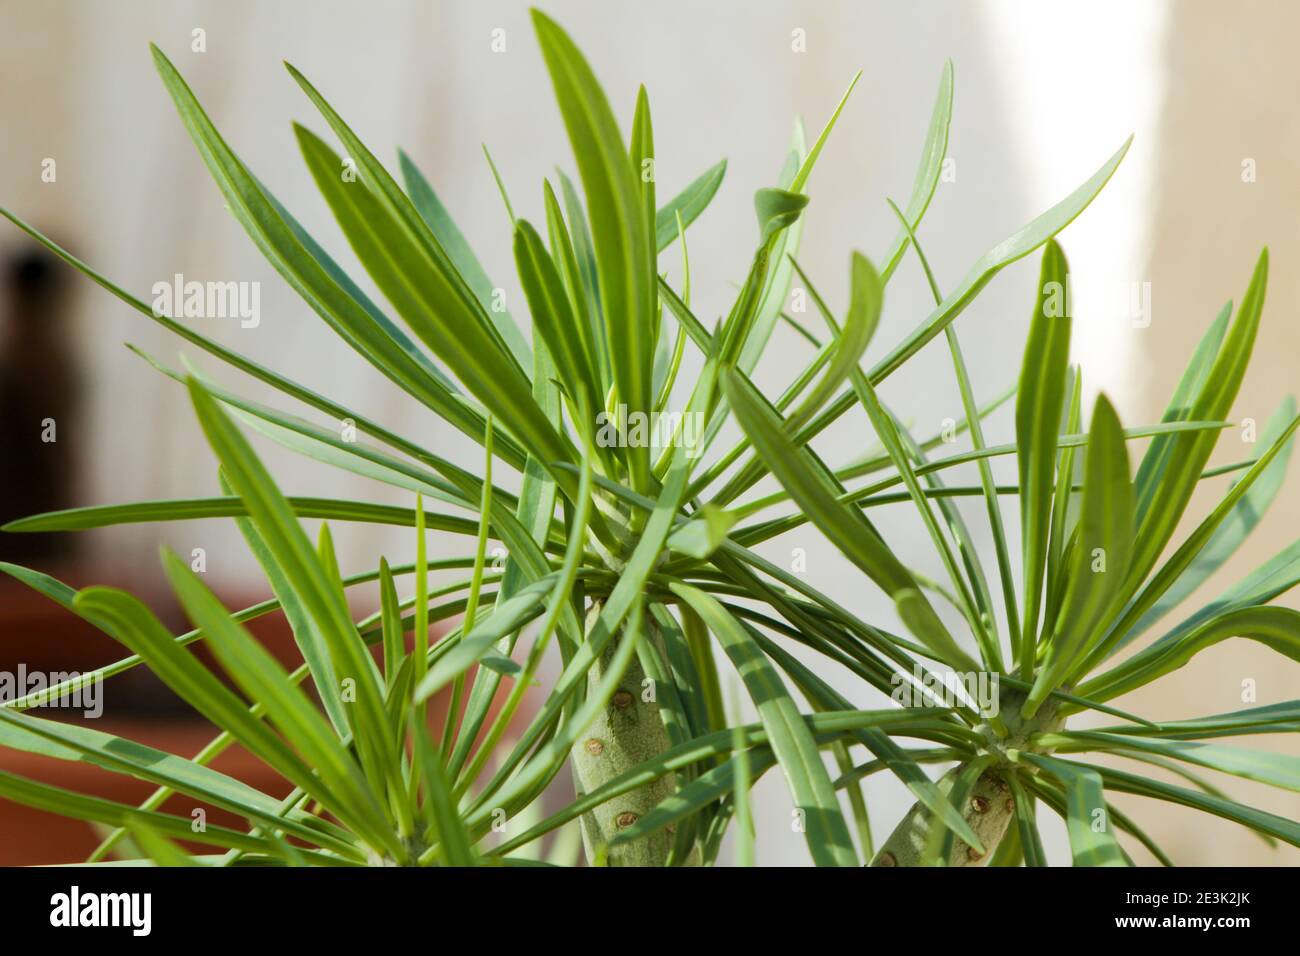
989, 807
989, 810
629, 731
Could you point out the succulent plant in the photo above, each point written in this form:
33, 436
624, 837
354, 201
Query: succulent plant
631, 549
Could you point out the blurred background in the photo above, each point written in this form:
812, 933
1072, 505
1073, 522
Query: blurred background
93, 153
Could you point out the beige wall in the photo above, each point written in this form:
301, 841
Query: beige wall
1230, 97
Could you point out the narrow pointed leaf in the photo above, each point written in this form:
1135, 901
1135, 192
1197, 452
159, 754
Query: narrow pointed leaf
1039, 401
624, 259
1092, 836
1098, 560
688, 204
810, 784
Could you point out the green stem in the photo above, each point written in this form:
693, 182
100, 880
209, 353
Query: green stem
629, 731
988, 809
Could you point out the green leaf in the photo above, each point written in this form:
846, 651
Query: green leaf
625, 262
66, 741
1272, 578
1182, 559
813, 492
1274, 627
704, 534
587, 287
130, 622
65, 803
587, 328
1128, 826
303, 572
433, 300
866, 298
1274, 769
458, 250
1009, 250
662, 657
62, 594
926, 625
1027, 824
777, 284
642, 152
1092, 838
927, 173
355, 292
454, 842
460, 487
696, 638
810, 490
625, 594
553, 317
713, 784
42, 583
1008, 852
688, 204
559, 601
980, 601
1065, 503
498, 663
1014, 247
776, 280
1156, 459
1237, 522
810, 785
394, 633
877, 740
1190, 452
262, 678
718, 743
1097, 561
1195, 779
806, 166
1039, 401
1257, 820
521, 789
778, 210
861, 494
410, 224
921, 619
942, 841
102, 516
508, 616
306, 633
1266, 719
316, 279
525, 562
753, 315
327, 445
160, 849
740, 800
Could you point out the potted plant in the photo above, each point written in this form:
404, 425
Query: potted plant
631, 549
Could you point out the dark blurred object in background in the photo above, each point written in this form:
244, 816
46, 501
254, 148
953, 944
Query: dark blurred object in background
39, 396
